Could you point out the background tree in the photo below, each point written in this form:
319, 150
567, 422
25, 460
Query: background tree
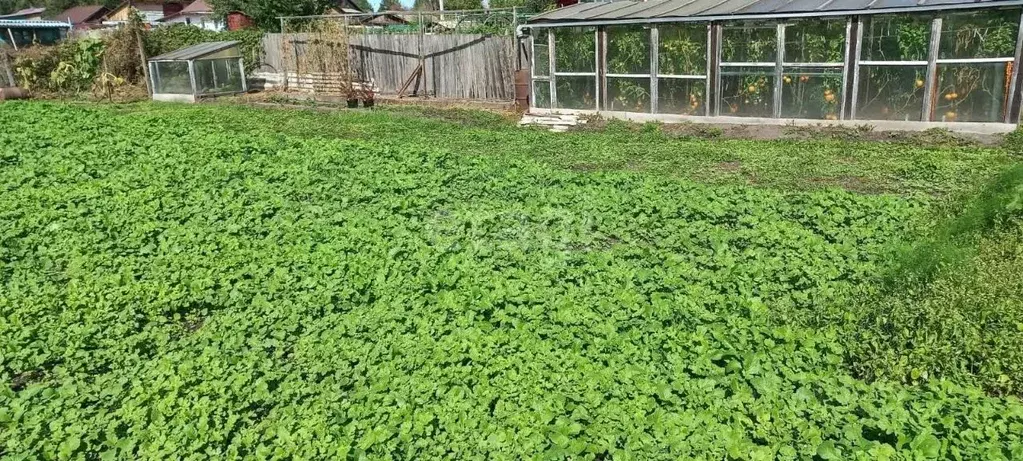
535, 6
264, 13
426, 5
363, 5
462, 5
391, 5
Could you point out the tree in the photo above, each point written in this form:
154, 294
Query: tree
426, 5
363, 5
534, 6
391, 5
462, 5
264, 13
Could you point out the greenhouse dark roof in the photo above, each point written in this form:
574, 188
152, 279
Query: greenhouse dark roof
705, 10
195, 51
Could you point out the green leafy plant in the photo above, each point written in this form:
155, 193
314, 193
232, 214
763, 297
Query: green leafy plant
218, 281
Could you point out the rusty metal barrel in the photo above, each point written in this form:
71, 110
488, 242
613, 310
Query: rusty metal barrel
13, 92
522, 89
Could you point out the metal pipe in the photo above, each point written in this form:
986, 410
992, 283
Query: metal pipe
191, 77
856, 68
13, 43
845, 69
974, 60
602, 67
1014, 80
685, 77
748, 64
707, 72
532, 70
930, 85
779, 57
241, 68
894, 63
655, 64
718, 36
551, 62
597, 65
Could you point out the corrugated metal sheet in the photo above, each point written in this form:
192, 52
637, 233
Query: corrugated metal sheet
23, 24
636, 11
195, 51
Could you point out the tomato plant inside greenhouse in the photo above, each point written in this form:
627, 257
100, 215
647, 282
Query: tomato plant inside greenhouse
929, 61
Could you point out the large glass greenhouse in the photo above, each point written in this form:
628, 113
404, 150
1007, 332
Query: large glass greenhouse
904, 60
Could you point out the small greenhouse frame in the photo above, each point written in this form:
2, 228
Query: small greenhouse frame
198, 71
927, 61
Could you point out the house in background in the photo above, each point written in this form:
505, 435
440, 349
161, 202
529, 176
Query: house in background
84, 16
151, 11
198, 14
343, 7
27, 14
20, 33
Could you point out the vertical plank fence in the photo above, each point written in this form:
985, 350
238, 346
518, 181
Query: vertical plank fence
461, 66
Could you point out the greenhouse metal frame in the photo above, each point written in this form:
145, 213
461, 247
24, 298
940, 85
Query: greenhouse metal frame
204, 70
899, 60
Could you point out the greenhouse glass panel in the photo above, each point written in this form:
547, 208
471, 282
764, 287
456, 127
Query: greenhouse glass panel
681, 96
896, 38
747, 91
628, 50
575, 49
682, 50
890, 92
982, 34
542, 94
576, 93
217, 76
812, 93
815, 41
972, 92
172, 77
748, 42
541, 56
628, 94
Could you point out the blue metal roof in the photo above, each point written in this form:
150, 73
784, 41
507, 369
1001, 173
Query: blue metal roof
26, 24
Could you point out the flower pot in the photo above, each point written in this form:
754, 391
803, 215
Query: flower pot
367, 103
353, 103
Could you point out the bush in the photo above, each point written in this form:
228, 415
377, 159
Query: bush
68, 67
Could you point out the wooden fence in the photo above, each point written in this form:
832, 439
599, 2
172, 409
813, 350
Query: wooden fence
463, 66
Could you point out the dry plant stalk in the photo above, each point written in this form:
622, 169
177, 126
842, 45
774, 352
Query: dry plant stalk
318, 49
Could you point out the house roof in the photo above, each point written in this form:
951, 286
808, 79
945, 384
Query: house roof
23, 12
81, 14
33, 24
383, 19
346, 7
707, 10
197, 7
195, 51
125, 4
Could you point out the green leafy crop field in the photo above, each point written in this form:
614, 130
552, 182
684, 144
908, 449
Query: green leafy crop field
221, 282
